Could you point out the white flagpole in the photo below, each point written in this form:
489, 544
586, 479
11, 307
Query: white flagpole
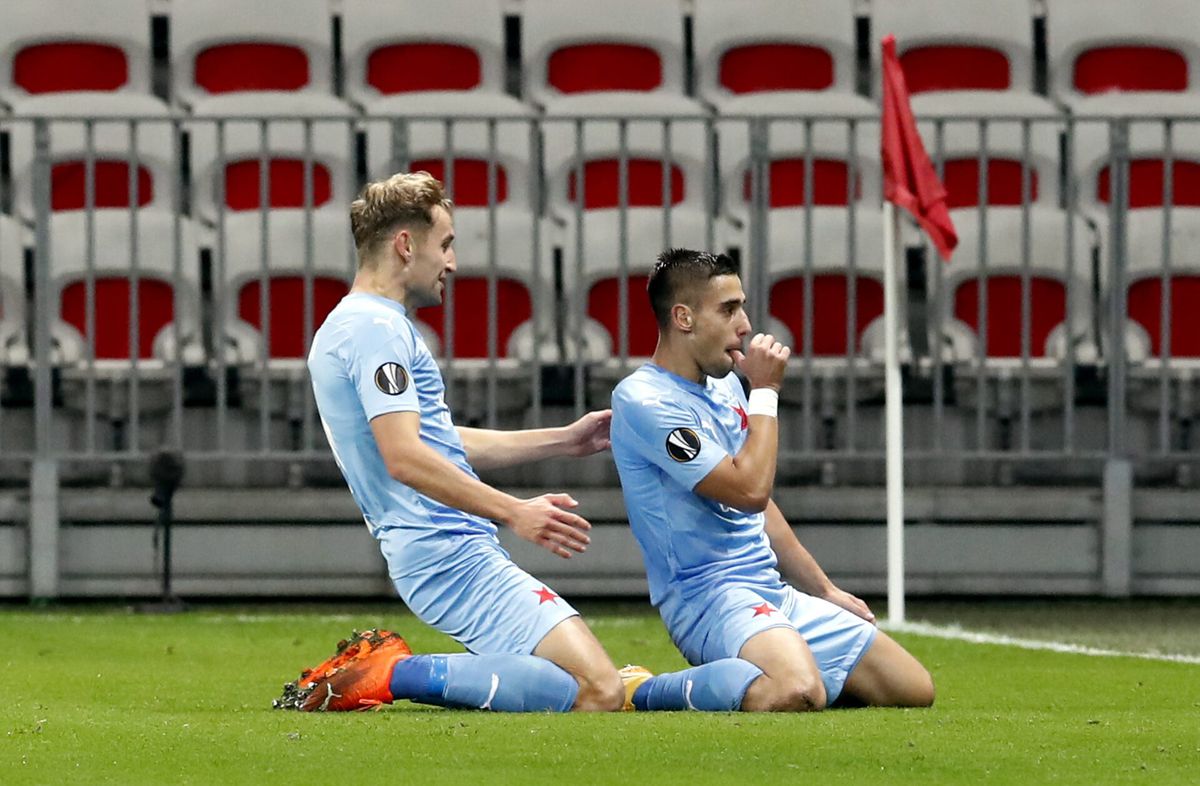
894, 429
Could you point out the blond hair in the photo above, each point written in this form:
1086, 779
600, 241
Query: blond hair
404, 200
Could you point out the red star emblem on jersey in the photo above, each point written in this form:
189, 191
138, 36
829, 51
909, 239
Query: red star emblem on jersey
545, 594
745, 418
763, 610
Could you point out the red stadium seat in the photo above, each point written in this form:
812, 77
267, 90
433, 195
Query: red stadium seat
123, 273
469, 183
1051, 283
471, 324
831, 304
1144, 307
976, 60
1113, 57
98, 51
1048, 309
774, 67
422, 67
778, 56
284, 273
603, 305
286, 296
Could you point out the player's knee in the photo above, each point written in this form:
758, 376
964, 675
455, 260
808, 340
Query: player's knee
793, 694
602, 692
924, 691
805, 694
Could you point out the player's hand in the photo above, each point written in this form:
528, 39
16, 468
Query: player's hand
548, 522
850, 603
589, 434
764, 362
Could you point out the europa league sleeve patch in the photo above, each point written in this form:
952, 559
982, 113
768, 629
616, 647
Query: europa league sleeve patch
683, 445
391, 378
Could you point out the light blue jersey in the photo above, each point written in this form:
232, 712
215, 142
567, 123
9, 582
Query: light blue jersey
367, 360
711, 568
668, 433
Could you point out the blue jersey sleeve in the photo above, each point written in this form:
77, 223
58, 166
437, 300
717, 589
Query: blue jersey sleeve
383, 377
669, 435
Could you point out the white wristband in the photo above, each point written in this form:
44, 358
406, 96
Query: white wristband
764, 401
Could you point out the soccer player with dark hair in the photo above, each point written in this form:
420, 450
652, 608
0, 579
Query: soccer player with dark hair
747, 605
380, 395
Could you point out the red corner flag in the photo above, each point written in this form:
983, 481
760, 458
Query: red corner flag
909, 179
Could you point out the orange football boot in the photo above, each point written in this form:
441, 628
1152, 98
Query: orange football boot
355, 678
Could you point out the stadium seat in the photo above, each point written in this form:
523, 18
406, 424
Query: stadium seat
1156, 165
664, 205
1013, 375
432, 59
1146, 227
845, 168
1110, 57
778, 57
282, 343
227, 161
835, 266
49, 68
1149, 164
261, 61
304, 253
113, 151
99, 53
1164, 364
845, 274
1001, 273
226, 48
463, 149
122, 272
1006, 150
975, 59
1144, 338
620, 57
114, 368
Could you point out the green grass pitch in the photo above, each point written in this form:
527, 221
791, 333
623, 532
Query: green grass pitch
101, 695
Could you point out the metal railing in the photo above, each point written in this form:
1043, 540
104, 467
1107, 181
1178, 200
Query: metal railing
209, 387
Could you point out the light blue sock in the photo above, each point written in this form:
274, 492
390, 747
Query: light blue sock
504, 683
714, 687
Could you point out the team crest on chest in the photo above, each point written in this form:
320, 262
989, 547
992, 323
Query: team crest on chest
683, 445
391, 378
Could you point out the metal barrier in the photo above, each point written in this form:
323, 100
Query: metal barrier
559, 205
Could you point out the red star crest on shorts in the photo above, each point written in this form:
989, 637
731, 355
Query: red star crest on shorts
545, 594
745, 418
763, 610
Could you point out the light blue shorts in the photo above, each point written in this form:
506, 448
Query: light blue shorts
466, 586
719, 624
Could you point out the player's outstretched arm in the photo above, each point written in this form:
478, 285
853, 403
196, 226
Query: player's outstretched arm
491, 449
545, 520
801, 570
745, 481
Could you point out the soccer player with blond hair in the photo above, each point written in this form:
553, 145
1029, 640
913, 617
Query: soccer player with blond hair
380, 395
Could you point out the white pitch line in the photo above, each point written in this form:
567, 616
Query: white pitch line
956, 633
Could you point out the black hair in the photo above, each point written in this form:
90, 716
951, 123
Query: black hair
677, 269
